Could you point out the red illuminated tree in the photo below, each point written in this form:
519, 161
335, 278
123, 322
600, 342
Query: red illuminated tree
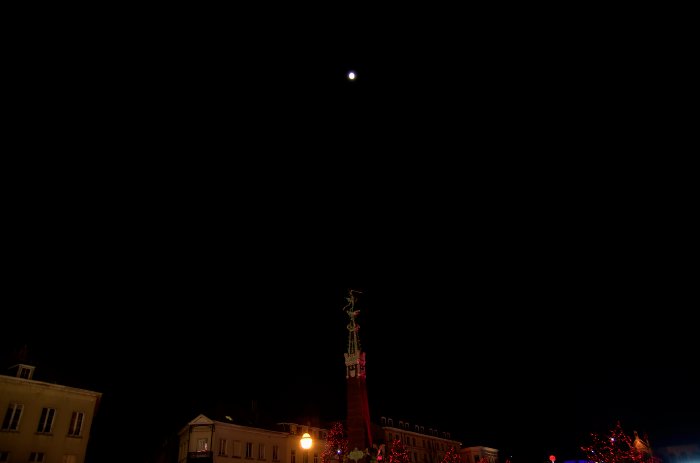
451, 456
398, 453
614, 447
336, 444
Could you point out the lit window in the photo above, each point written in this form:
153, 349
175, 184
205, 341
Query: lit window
202, 445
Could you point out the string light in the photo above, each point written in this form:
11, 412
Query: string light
336, 444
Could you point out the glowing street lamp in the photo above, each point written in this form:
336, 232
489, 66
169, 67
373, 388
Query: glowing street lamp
306, 441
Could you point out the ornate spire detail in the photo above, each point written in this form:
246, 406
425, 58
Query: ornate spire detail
353, 339
358, 422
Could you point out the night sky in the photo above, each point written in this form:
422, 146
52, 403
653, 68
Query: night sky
187, 203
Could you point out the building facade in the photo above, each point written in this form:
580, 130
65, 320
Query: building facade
44, 422
424, 445
205, 440
478, 454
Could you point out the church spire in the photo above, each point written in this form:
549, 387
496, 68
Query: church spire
358, 419
354, 353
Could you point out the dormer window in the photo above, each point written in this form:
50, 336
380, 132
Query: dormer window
24, 371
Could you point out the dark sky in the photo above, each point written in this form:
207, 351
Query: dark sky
188, 202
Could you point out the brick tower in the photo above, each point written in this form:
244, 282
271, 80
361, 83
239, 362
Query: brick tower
358, 420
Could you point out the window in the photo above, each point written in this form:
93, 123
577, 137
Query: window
46, 421
4, 456
76, 424
383, 420
275, 453
261, 451
306, 457
236, 449
293, 457
70, 459
249, 450
11, 421
202, 445
315, 457
390, 421
25, 373
223, 447
36, 456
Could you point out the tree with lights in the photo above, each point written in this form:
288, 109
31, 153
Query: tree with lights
617, 447
398, 453
451, 456
336, 444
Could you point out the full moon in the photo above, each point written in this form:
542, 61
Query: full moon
351, 75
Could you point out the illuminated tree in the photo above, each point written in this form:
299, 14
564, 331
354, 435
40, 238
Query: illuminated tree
451, 456
398, 453
615, 447
336, 444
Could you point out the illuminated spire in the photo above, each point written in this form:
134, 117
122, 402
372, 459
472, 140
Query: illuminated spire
353, 354
358, 422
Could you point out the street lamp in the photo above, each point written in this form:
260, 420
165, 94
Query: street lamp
306, 441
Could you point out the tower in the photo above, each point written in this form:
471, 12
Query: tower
358, 419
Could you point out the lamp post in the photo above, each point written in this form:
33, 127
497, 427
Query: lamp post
306, 441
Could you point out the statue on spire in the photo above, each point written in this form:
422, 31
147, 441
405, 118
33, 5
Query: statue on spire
350, 306
353, 327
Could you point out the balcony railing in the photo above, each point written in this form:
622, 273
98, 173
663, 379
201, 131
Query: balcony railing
200, 457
